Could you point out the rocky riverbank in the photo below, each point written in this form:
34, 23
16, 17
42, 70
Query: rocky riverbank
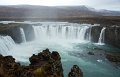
44, 64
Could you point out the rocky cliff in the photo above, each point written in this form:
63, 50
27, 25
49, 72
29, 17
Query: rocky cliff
44, 64
13, 30
111, 37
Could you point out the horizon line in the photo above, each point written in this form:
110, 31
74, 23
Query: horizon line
57, 6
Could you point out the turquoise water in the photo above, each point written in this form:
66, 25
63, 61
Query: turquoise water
71, 54
92, 66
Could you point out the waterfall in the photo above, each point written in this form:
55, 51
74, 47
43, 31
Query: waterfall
102, 35
60, 32
6, 43
40, 32
23, 35
82, 33
89, 36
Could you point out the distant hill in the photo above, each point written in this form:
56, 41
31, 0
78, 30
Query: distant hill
30, 11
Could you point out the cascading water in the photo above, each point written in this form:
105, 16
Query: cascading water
102, 35
89, 34
71, 53
60, 32
23, 35
82, 32
6, 43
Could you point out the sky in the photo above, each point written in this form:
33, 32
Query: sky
97, 4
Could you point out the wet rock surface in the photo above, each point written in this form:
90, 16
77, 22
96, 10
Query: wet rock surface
91, 53
13, 30
44, 64
95, 33
47, 64
75, 72
113, 57
112, 36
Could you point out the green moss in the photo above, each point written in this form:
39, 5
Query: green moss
40, 72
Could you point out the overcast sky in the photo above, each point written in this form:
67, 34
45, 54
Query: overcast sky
98, 4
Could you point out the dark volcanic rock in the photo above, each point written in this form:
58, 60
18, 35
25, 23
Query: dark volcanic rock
90, 53
113, 57
95, 33
112, 36
45, 64
75, 72
9, 68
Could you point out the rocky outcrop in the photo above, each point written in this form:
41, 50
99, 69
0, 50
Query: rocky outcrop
91, 53
47, 64
75, 72
113, 57
9, 68
44, 64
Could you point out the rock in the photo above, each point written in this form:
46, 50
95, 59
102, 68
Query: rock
46, 54
47, 64
44, 64
55, 55
75, 72
9, 59
9, 68
91, 53
113, 57
13, 30
112, 36
95, 33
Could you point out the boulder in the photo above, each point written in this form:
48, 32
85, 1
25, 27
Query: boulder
91, 53
75, 72
47, 64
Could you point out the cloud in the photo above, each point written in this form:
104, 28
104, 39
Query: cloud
98, 4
